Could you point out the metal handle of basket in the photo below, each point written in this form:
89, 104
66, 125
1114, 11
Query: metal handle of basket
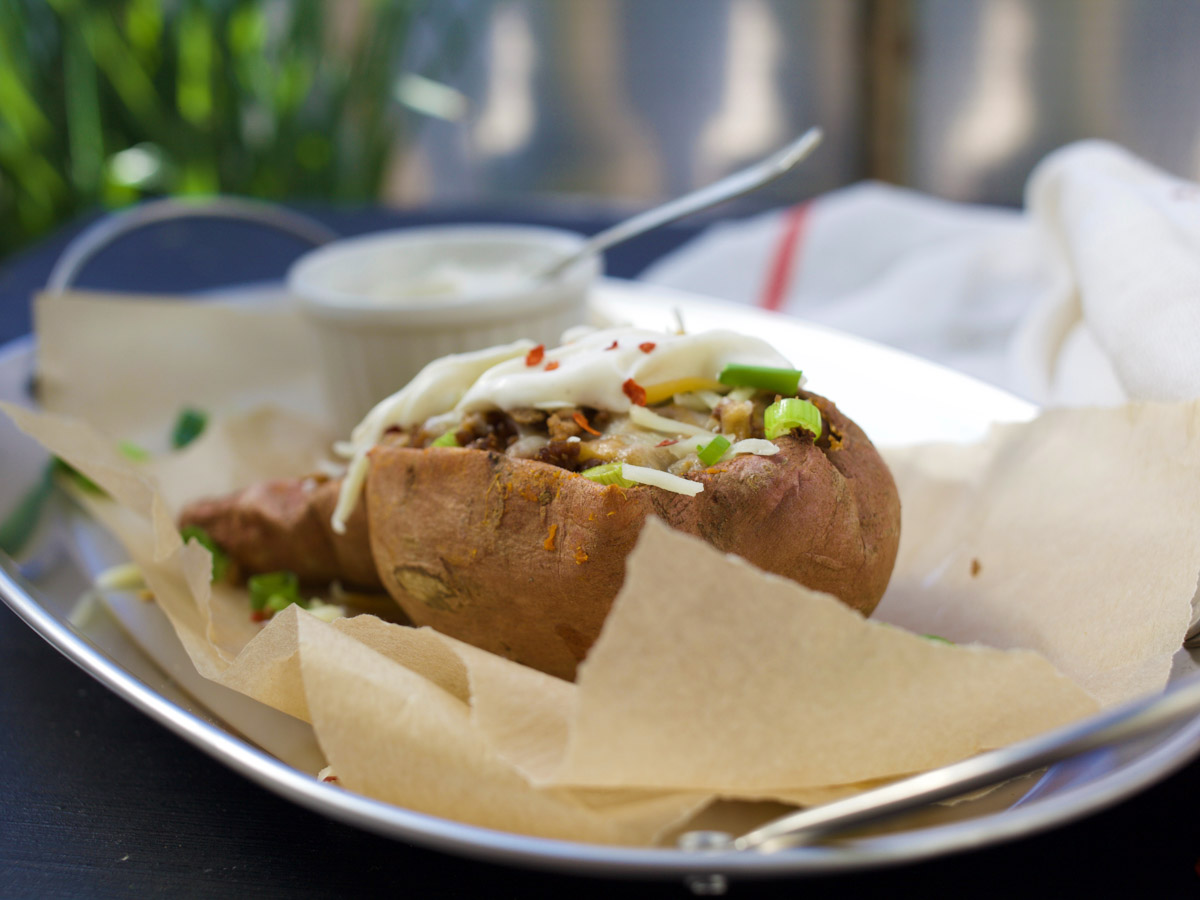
100, 235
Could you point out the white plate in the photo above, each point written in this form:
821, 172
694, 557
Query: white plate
877, 386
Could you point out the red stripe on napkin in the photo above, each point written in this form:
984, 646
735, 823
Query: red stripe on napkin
783, 261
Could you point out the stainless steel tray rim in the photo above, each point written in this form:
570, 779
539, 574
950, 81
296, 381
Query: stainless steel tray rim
502, 847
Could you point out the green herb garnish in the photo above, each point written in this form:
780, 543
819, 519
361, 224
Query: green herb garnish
777, 381
712, 452
130, 450
937, 638
609, 473
449, 439
220, 559
784, 415
274, 591
188, 426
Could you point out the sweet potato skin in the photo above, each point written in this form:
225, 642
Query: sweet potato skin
524, 559
286, 524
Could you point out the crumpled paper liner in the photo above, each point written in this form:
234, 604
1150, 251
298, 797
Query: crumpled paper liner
1070, 537
1075, 535
133, 363
709, 679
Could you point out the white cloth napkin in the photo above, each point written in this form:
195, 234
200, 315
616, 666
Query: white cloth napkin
1091, 295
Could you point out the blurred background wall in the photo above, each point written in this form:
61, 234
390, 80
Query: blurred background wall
603, 102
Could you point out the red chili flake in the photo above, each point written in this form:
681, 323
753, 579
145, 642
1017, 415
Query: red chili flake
330, 778
259, 615
534, 356
552, 365
612, 346
582, 422
635, 392
667, 443
647, 346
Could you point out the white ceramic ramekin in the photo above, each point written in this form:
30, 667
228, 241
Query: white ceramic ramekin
385, 304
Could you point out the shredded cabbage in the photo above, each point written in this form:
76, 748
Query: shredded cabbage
652, 421
756, 446
664, 480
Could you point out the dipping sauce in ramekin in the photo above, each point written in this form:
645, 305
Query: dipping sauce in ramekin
384, 304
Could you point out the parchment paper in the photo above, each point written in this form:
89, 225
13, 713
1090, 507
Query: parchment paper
1076, 535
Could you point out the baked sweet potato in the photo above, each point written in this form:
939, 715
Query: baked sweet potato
285, 525
524, 558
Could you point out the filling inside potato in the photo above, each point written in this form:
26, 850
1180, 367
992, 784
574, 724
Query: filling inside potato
621, 406
692, 430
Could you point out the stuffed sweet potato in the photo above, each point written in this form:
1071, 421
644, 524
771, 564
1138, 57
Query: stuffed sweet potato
507, 525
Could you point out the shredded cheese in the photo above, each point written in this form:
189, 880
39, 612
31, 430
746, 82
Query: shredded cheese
657, 393
756, 446
658, 479
652, 421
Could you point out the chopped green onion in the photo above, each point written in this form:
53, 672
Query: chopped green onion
784, 415
778, 381
220, 559
609, 473
189, 426
133, 451
76, 477
937, 638
280, 602
273, 590
712, 452
449, 439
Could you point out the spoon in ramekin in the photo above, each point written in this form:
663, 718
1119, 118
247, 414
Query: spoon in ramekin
732, 186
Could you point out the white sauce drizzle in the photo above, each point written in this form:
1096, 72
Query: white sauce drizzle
436, 389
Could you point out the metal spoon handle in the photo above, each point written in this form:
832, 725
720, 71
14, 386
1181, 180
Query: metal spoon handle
735, 185
1120, 724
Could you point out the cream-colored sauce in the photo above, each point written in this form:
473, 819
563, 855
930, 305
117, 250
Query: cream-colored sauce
589, 371
436, 389
458, 277
590, 374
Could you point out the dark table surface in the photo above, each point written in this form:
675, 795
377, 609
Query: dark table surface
97, 800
